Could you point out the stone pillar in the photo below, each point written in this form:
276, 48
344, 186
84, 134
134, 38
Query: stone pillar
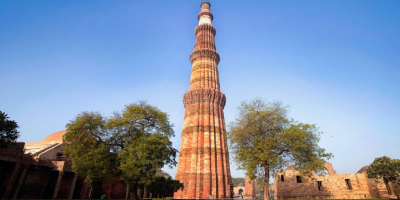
144, 193
111, 191
127, 191
139, 193
58, 184
91, 191
86, 184
72, 189
11, 181
250, 188
45, 184
21, 181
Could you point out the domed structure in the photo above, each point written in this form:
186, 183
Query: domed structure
363, 169
56, 137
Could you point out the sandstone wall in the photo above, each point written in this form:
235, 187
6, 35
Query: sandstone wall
333, 186
51, 154
237, 188
250, 188
33, 184
289, 184
14, 152
6, 171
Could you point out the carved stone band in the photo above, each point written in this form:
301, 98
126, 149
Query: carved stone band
201, 151
205, 27
204, 53
205, 13
204, 95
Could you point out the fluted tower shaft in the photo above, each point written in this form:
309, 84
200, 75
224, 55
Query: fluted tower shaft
203, 165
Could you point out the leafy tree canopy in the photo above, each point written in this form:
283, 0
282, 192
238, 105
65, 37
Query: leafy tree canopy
386, 169
163, 185
134, 143
8, 130
86, 146
140, 160
263, 140
237, 181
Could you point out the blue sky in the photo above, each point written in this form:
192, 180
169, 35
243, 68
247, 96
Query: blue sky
336, 63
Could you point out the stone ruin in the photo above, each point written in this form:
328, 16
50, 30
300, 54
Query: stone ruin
289, 184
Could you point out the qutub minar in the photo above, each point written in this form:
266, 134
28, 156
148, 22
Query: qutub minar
203, 165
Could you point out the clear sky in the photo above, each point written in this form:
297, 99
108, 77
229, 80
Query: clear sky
336, 63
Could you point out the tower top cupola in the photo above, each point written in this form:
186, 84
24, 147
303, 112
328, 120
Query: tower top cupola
205, 16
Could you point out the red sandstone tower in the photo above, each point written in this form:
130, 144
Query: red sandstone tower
203, 165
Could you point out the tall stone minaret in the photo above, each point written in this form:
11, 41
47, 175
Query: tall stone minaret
203, 165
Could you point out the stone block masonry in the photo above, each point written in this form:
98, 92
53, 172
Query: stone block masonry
289, 184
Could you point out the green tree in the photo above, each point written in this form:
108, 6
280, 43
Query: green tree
141, 135
140, 160
86, 146
164, 186
8, 130
134, 143
386, 169
263, 140
237, 181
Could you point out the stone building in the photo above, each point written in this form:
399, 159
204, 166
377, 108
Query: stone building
39, 170
289, 184
203, 165
239, 190
246, 190
250, 188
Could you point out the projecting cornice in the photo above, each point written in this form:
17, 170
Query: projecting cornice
205, 13
204, 95
204, 53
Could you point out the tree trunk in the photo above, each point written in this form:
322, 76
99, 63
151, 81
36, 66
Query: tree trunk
386, 182
133, 194
266, 182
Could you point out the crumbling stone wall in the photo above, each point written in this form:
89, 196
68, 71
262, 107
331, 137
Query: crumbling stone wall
65, 185
6, 171
33, 184
289, 184
51, 154
380, 189
13, 152
328, 166
250, 188
330, 186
